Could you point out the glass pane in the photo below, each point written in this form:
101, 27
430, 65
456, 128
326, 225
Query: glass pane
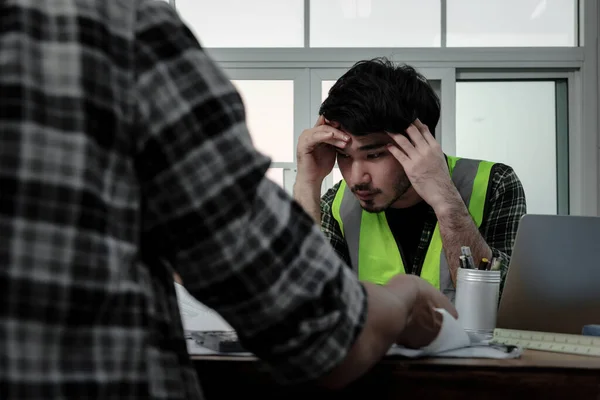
375, 23
270, 116
513, 123
337, 175
511, 23
243, 23
276, 175
325, 86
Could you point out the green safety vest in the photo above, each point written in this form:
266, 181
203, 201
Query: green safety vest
373, 250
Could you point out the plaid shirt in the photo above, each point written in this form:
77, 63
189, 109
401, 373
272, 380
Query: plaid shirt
123, 151
502, 212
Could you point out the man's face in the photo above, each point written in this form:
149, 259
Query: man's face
375, 177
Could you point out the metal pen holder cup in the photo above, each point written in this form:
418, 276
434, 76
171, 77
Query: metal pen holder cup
477, 295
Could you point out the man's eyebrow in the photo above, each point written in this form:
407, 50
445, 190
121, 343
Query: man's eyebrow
372, 146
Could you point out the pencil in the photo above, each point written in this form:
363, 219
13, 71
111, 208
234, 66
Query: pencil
483, 265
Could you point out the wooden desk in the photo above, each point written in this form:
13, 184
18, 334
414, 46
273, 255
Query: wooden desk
536, 374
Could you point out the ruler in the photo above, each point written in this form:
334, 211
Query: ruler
555, 342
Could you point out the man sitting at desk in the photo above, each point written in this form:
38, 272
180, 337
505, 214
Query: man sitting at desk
403, 206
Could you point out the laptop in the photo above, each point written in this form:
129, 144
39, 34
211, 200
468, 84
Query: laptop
553, 281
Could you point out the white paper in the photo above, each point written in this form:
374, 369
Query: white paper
196, 316
195, 349
451, 336
453, 341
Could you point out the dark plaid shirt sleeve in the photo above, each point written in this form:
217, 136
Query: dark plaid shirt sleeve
505, 207
239, 243
330, 227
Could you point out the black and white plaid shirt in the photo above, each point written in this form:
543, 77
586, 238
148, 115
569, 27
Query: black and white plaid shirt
123, 149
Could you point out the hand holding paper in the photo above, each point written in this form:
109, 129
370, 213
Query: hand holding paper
451, 336
424, 322
454, 341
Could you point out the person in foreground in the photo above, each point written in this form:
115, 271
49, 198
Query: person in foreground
124, 151
403, 206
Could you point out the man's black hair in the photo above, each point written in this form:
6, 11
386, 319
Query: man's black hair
377, 95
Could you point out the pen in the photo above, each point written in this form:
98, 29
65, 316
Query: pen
463, 262
466, 251
483, 265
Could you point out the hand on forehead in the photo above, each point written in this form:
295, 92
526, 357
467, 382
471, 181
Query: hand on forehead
335, 124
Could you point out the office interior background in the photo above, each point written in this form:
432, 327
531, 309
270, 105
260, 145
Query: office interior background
517, 79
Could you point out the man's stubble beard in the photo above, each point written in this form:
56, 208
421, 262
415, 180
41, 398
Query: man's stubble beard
401, 187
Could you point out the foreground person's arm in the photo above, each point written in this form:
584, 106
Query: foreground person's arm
238, 241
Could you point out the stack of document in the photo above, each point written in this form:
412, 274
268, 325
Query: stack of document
452, 341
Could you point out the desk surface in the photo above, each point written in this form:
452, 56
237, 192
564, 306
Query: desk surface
536, 374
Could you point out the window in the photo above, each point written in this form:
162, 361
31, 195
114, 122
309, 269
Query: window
515, 123
276, 175
511, 23
269, 108
382, 23
243, 23
375, 23
325, 87
337, 175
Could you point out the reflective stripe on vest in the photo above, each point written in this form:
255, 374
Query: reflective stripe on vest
373, 249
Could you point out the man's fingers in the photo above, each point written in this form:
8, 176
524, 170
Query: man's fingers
320, 121
450, 308
443, 302
424, 129
404, 144
337, 143
420, 332
326, 133
416, 136
335, 124
419, 125
453, 311
398, 154
447, 305
329, 136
